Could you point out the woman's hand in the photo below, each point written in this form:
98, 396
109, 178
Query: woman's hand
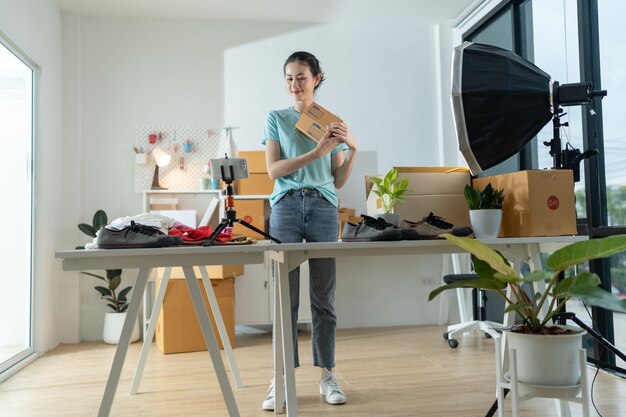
326, 144
341, 132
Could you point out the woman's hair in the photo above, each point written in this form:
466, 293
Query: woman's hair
309, 60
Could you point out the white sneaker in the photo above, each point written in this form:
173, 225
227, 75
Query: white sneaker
269, 402
329, 388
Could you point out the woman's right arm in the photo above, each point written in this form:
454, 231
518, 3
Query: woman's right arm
278, 167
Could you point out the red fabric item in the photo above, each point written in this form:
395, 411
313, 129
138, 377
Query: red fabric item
189, 234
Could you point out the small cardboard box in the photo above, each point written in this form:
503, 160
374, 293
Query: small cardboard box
314, 120
256, 184
214, 271
256, 161
439, 190
255, 212
178, 329
536, 202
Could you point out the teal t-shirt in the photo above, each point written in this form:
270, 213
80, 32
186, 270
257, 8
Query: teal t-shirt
280, 125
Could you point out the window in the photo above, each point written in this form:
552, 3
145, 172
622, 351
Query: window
17, 76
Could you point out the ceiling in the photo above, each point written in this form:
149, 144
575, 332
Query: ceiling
318, 11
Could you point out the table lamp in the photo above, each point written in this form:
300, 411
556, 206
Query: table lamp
161, 159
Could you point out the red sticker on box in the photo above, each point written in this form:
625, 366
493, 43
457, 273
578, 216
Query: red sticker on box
247, 219
553, 202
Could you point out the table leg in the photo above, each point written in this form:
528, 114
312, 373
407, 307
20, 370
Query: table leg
219, 321
122, 346
277, 343
211, 341
287, 340
147, 340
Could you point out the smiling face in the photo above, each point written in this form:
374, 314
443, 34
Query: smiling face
300, 82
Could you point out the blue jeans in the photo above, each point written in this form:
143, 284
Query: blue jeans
305, 215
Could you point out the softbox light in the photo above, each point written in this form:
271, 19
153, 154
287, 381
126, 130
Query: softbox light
500, 102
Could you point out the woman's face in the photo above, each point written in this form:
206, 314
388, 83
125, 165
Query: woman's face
300, 82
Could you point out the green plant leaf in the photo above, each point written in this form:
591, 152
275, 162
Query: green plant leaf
113, 307
122, 294
539, 275
482, 251
112, 273
123, 308
583, 279
99, 220
104, 292
115, 282
596, 296
87, 229
580, 252
94, 275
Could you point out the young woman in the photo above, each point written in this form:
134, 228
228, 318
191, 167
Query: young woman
304, 207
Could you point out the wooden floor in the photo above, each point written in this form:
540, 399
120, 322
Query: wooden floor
392, 372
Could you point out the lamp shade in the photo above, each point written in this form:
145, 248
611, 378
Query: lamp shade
161, 157
500, 101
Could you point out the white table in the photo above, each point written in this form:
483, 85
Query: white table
289, 255
145, 260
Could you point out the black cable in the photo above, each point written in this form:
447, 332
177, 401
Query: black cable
593, 381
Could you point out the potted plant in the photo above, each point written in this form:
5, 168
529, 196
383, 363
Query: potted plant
391, 191
536, 310
485, 210
117, 301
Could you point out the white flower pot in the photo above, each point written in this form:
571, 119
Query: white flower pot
486, 223
547, 360
113, 324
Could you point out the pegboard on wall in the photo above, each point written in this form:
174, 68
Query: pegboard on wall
191, 148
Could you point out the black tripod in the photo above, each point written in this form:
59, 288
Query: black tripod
230, 217
597, 336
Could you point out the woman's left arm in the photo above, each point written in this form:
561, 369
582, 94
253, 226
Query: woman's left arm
342, 164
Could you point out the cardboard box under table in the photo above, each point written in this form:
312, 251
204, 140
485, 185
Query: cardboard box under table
439, 190
536, 202
178, 329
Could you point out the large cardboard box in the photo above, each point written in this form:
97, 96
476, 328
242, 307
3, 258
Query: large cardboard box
256, 184
439, 190
178, 329
314, 120
255, 212
256, 161
536, 202
215, 271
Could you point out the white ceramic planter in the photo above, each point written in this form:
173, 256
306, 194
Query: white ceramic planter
113, 323
486, 223
547, 360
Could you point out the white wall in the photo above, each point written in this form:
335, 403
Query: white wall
119, 73
35, 27
384, 79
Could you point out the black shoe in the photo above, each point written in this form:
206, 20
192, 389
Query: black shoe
370, 229
135, 236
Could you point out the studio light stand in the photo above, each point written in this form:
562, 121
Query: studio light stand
230, 214
569, 95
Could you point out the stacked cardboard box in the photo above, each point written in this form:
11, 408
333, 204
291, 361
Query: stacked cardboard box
536, 202
178, 329
439, 190
258, 182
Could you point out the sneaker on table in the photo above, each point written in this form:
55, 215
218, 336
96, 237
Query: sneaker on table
430, 226
370, 229
135, 235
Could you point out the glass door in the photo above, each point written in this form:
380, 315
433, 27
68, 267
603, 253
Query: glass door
17, 75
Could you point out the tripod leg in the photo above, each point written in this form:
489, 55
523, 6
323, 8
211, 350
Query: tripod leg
261, 232
216, 232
